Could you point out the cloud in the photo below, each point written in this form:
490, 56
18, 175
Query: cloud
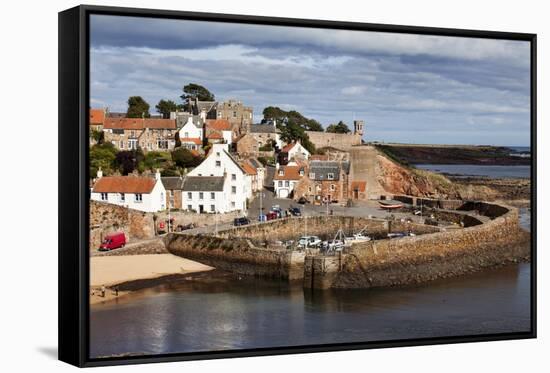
406, 87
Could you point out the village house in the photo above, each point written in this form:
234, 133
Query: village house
260, 170
205, 194
147, 133
286, 178
239, 116
326, 181
247, 146
173, 186
97, 118
135, 192
218, 131
266, 134
293, 151
237, 186
191, 134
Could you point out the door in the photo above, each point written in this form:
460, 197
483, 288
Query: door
283, 193
201, 209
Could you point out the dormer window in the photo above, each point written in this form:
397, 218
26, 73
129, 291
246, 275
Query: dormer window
312, 175
330, 176
281, 172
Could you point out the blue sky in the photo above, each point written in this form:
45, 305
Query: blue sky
407, 88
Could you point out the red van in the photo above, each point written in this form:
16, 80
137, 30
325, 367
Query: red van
113, 241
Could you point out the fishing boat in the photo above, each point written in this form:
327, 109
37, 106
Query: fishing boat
390, 204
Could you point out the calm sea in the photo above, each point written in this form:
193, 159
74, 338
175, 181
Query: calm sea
199, 316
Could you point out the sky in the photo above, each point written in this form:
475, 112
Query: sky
407, 88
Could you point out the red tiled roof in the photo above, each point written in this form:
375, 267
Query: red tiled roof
194, 140
97, 116
139, 123
249, 169
218, 124
124, 184
289, 173
288, 147
359, 185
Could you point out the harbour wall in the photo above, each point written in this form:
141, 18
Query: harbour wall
411, 260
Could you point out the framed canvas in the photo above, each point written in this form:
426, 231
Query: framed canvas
235, 186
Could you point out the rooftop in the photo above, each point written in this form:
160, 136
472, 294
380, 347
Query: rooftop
203, 184
139, 123
124, 184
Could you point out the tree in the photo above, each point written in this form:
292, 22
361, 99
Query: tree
102, 156
165, 107
155, 160
183, 158
97, 136
137, 108
292, 132
284, 117
194, 91
127, 161
341, 127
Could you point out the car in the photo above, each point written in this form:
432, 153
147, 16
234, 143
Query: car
309, 241
113, 241
241, 221
272, 215
295, 211
262, 217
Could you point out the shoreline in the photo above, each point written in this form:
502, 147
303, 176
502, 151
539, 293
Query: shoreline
129, 273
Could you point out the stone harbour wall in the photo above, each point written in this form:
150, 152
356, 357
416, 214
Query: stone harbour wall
237, 255
423, 258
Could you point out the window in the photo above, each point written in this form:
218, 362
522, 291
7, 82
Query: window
217, 154
132, 144
186, 135
280, 183
189, 207
162, 144
212, 195
233, 190
309, 189
138, 197
287, 183
121, 197
201, 195
332, 187
212, 208
132, 133
301, 172
312, 175
330, 176
189, 195
318, 187
233, 204
218, 163
234, 114
121, 144
233, 177
104, 196
281, 172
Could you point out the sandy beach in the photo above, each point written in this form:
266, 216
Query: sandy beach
112, 270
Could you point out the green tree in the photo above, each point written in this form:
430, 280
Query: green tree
129, 160
97, 136
155, 160
194, 91
137, 108
285, 117
102, 155
165, 107
341, 127
183, 158
292, 132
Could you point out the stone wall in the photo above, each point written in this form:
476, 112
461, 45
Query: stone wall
238, 255
422, 258
341, 141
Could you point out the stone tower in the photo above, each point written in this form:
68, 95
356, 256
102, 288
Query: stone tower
358, 127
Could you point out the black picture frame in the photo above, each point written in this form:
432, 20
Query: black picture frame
74, 190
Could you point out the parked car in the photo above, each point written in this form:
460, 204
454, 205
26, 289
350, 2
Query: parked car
113, 241
262, 217
295, 211
241, 221
272, 215
309, 241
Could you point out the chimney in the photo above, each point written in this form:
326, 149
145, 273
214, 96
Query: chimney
157, 175
277, 165
99, 173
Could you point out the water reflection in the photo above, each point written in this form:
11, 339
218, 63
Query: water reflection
220, 315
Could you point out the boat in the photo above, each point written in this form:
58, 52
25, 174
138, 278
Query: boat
390, 204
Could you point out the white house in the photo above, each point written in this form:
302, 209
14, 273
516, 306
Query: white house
135, 192
237, 186
295, 150
286, 178
205, 194
190, 130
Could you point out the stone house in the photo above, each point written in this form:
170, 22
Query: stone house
173, 186
239, 116
97, 118
147, 133
326, 181
266, 134
237, 187
286, 178
134, 192
247, 146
